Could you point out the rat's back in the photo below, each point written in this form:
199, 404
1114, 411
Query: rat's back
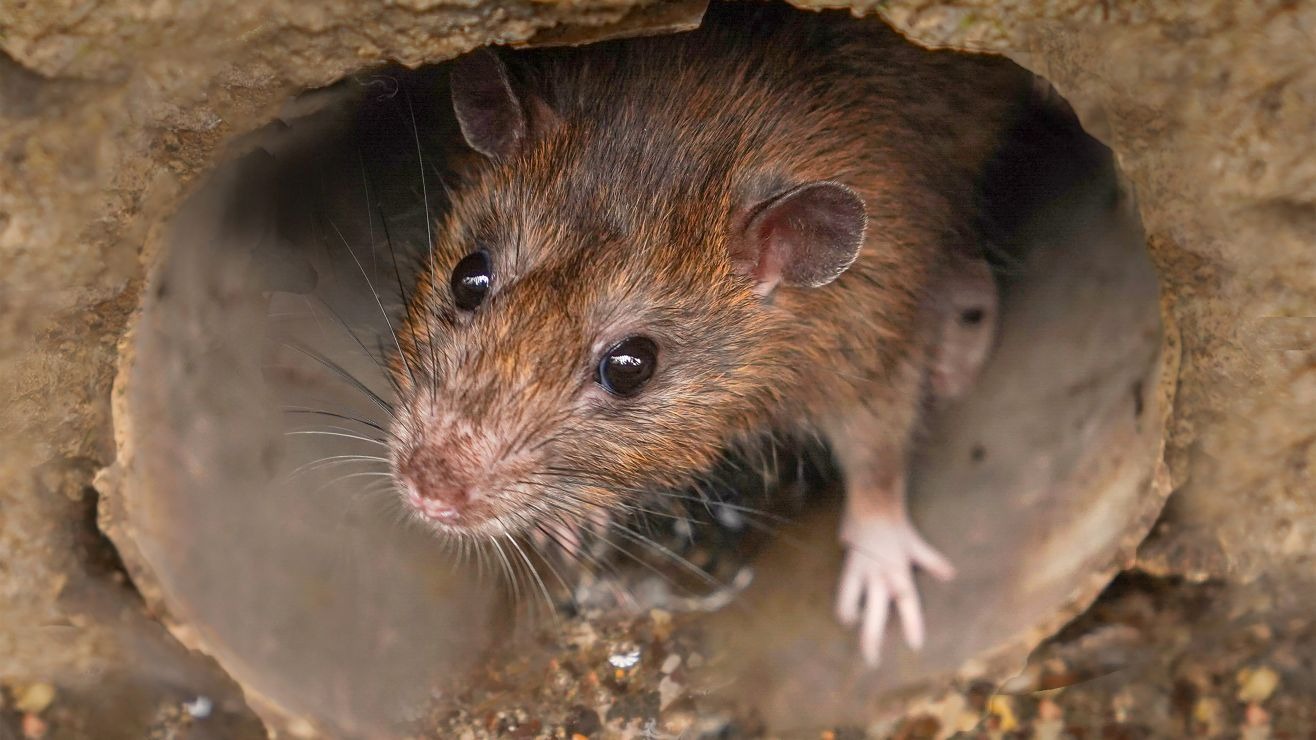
765, 91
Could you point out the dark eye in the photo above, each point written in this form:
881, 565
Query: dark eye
626, 367
471, 279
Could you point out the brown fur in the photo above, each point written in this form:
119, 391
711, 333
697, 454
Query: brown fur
617, 217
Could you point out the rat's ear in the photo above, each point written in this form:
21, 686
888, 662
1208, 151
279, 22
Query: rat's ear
805, 237
491, 117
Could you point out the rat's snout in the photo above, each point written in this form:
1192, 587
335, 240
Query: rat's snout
436, 488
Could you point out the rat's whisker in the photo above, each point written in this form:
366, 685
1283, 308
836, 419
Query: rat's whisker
667, 553
374, 293
337, 415
512, 579
429, 228
346, 434
530, 568
333, 462
342, 374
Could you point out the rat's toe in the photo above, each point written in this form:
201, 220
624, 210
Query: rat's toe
911, 611
928, 558
877, 606
850, 592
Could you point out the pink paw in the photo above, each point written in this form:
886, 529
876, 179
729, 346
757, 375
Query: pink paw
881, 553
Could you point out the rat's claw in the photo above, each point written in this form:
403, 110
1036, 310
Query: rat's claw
878, 570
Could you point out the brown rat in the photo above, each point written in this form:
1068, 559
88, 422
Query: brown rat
673, 244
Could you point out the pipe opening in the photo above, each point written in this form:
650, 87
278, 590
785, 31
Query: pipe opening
260, 502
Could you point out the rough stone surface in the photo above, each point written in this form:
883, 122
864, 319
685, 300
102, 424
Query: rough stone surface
108, 114
1208, 108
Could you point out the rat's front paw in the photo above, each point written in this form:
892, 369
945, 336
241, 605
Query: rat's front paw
881, 553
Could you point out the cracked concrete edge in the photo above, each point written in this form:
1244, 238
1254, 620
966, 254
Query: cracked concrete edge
1006, 663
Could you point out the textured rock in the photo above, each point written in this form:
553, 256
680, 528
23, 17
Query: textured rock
1208, 108
107, 116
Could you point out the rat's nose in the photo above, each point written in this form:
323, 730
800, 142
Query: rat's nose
432, 488
446, 506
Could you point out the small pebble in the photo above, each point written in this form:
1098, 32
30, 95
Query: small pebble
662, 623
1256, 684
668, 692
200, 707
1002, 707
672, 662
34, 698
625, 659
1208, 715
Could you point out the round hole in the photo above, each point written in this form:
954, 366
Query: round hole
258, 500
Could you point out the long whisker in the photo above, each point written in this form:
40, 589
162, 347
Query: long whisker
507, 568
379, 362
333, 462
402, 296
539, 527
586, 478
583, 557
374, 293
667, 553
429, 229
543, 589
345, 434
336, 415
343, 374
644, 564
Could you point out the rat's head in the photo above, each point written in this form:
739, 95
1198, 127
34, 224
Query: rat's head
592, 322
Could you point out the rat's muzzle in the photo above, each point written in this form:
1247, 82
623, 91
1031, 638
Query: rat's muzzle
439, 490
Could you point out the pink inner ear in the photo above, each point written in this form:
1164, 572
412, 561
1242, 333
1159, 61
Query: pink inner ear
770, 265
805, 237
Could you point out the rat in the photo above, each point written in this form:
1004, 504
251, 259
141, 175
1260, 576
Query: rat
659, 248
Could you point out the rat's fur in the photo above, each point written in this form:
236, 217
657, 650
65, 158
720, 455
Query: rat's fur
618, 214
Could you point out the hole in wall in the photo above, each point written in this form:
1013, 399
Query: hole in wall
258, 503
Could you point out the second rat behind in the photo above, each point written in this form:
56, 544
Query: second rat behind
668, 246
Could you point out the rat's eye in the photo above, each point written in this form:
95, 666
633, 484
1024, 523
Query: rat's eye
626, 367
470, 280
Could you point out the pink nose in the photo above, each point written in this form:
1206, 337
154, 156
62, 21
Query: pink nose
446, 508
433, 489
